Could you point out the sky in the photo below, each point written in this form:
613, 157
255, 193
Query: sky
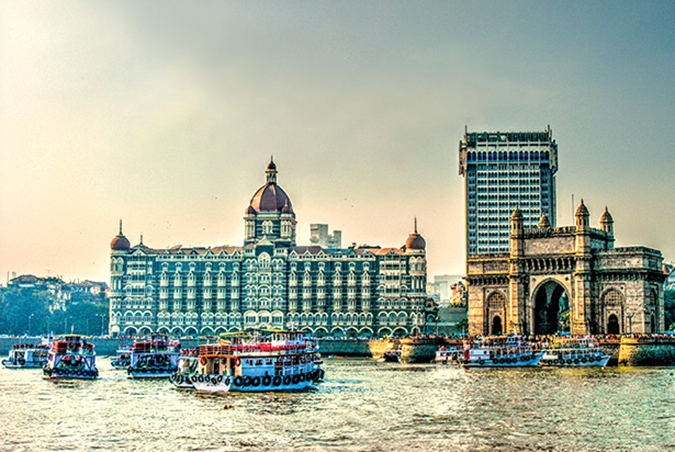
165, 114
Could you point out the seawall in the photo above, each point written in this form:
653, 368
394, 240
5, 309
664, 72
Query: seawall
637, 351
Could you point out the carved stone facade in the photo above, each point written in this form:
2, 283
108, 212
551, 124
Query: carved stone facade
269, 282
565, 279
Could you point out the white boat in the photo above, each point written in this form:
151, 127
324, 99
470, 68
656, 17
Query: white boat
26, 356
154, 356
258, 361
122, 358
449, 355
575, 352
187, 366
71, 357
502, 351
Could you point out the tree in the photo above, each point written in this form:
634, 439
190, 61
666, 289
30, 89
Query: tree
669, 309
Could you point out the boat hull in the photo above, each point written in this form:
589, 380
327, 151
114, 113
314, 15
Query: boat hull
521, 361
211, 383
26, 365
150, 373
60, 374
297, 382
600, 360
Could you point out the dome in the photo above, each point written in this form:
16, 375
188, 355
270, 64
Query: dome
517, 214
543, 222
271, 197
415, 241
120, 243
582, 210
606, 217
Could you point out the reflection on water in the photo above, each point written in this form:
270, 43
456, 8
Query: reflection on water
362, 405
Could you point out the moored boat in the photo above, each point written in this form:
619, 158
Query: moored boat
574, 352
187, 367
503, 351
154, 356
26, 356
71, 357
122, 358
446, 355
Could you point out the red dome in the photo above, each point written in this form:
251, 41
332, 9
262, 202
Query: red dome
120, 243
270, 198
415, 242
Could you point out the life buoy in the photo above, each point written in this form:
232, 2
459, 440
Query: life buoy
287, 380
255, 381
238, 381
219, 378
481, 362
267, 380
576, 361
247, 381
172, 378
276, 381
202, 361
296, 379
568, 361
237, 362
227, 381
584, 360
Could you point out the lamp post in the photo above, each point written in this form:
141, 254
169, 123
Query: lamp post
30, 317
65, 324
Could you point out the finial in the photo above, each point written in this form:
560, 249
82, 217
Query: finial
415, 225
121, 227
141, 238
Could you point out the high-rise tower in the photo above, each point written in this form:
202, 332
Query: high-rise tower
502, 171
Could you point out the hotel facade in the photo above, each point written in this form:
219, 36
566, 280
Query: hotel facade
269, 282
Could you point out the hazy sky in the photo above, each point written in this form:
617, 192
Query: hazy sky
165, 114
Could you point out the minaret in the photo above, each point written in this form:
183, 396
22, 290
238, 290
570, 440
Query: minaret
515, 321
582, 274
607, 225
271, 172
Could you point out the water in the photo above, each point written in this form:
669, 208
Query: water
362, 406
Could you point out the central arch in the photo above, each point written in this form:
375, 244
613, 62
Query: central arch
551, 309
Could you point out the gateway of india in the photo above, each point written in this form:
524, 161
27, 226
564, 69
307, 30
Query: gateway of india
565, 279
269, 282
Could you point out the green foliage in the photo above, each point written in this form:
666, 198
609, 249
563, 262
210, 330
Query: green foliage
462, 326
26, 311
669, 309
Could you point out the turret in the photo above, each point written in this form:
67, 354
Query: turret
544, 223
517, 232
607, 225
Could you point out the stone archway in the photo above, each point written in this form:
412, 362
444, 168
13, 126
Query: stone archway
551, 309
496, 327
613, 326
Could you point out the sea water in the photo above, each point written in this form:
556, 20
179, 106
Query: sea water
361, 406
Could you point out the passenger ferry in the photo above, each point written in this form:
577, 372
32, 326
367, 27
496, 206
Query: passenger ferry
187, 367
26, 356
154, 356
71, 357
503, 351
122, 358
449, 355
258, 361
575, 352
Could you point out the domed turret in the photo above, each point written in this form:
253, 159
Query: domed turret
582, 210
270, 197
543, 222
120, 243
415, 241
606, 217
517, 214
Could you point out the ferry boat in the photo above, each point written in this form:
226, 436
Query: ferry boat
575, 352
154, 356
71, 357
26, 356
122, 358
258, 361
503, 351
187, 367
446, 355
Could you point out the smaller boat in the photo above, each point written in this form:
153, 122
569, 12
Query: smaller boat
187, 367
392, 355
446, 355
502, 351
71, 357
122, 358
154, 356
27, 356
213, 372
574, 352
